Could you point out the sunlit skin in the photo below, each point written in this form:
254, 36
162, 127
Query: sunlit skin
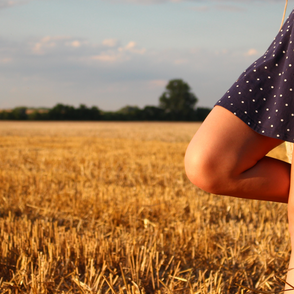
227, 157
290, 277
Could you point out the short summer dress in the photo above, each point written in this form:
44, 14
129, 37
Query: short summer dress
263, 96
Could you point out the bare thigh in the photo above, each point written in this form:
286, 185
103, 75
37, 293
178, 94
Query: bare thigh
227, 157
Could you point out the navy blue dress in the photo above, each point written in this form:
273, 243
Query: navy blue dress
263, 96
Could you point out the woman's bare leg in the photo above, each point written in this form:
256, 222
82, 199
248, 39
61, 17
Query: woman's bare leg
290, 275
227, 157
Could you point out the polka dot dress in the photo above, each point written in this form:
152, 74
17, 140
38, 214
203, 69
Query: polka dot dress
263, 96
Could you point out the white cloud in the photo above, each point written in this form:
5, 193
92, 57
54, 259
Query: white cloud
232, 8
6, 60
200, 8
110, 42
119, 54
251, 52
132, 47
196, 1
181, 61
108, 57
75, 44
47, 43
11, 3
79, 50
157, 83
76, 69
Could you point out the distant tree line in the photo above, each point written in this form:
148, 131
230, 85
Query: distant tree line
177, 103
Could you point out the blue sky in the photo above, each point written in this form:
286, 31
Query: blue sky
113, 53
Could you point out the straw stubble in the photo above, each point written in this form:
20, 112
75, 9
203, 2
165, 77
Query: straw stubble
107, 208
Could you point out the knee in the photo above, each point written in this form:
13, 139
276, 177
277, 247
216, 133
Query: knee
204, 170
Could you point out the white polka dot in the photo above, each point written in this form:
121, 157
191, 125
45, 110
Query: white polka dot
282, 120
253, 100
278, 136
264, 99
242, 102
288, 130
261, 89
285, 80
250, 90
237, 86
267, 109
272, 126
235, 113
259, 122
291, 89
292, 114
286, 104
229, 97
245, 112
269, 77
265, 67
277, 64
247, 82
232, 103
277, 110
258, 79
262, 131
269, 117
290, 65
239, 93
249, 123
272, 87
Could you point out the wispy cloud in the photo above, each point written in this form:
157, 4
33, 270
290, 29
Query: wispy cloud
232, 8
70, 67
230, 2
110, 42
48, 44
202, 8
12, 3
251, 52
117, 53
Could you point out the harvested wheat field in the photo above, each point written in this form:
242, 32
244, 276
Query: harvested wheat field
107, 208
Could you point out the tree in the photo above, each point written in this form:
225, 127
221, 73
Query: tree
152, 113
129, 113
178, 101
202, 113
19, 113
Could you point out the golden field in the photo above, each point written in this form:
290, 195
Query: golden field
107, 208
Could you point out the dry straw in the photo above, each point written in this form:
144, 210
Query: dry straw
107, 208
